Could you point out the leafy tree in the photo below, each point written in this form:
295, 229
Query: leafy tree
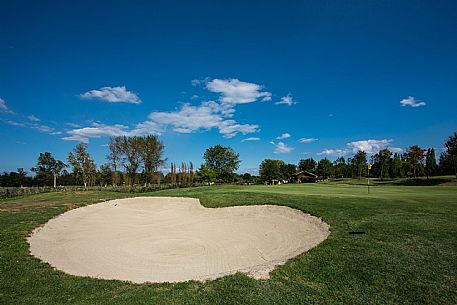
206, 174
84, 168
415, 157
248, 178
359, 162
383, 159
15, 179
131, 150
270, 170
396, 168
307, 165
446, 166
430, 163
451, 147
340, 167
224, 160
151, 151
115, 156
105, 174
288, 170
325, 168
48, 166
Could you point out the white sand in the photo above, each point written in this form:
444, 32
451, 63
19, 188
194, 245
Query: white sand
163, 239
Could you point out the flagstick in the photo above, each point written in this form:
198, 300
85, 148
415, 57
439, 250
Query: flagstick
368, 178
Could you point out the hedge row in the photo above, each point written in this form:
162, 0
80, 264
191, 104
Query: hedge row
9, 192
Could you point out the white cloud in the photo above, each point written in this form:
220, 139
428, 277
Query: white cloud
188, 118
369, 146
231, 128
307, 140
98, 130
286, 100
396, 149
33, 118
412, 102
73, 125
112, 95
4, 108
283, 136
234, 91
250, 139
3, 105
45, 129
197, 82
333, 152
206, 116
281, 148
18, 124
39, 127
254, 171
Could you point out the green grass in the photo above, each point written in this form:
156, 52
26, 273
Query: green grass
407, 256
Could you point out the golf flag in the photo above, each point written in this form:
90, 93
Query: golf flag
369, 165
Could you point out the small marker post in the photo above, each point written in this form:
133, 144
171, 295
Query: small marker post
368, 178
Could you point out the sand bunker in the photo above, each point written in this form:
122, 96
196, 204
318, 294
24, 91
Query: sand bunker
163, 239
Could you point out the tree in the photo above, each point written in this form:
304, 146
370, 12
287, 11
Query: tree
173, 173
115, 156
288, 170
270, 170
340, 167
383, 158
307, 165
224, 160
191, 172
84, 168
396, 168
151, 151
430, 162
131, 150
451, 147
415, 157
359, 162
206, 174
48, 166
247, 178
325, 168
446, 166
15, 179
105, 174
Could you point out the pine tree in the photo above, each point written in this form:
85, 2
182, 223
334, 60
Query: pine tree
430, 162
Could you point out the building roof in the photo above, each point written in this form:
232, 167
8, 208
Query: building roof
305, 173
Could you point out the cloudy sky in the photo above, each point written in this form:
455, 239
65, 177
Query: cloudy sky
288, 81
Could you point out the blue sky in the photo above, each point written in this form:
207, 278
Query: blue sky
286, 81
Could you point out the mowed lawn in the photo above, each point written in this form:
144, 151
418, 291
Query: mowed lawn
407, 254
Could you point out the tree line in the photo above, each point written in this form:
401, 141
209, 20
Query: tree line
414, 162
139, 161
131, 161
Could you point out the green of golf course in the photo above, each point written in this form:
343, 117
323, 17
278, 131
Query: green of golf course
394, 245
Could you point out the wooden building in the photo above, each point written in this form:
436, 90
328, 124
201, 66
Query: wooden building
303, 177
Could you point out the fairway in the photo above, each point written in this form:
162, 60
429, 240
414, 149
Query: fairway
404, 251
